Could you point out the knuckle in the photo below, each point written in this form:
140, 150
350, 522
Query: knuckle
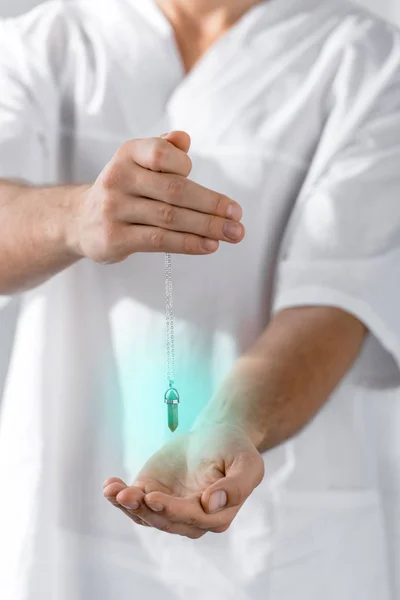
169, 514
158, 155
112, 175
253, 462
166, 528
210, 227
108, 250
190, 246
192, 521
106, 237
176, 189
106, 253
123, 151
221, 203
108, 208
168, 214
189, 165
157, 239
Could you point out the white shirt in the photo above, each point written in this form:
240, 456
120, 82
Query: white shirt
295, 113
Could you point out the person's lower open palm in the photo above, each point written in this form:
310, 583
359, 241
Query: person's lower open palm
194, 484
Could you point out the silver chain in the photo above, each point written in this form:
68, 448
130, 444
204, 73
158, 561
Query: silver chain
169, 318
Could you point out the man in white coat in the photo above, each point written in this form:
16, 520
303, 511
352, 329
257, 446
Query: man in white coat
277, 194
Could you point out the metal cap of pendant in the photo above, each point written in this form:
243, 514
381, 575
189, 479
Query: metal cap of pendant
171, 396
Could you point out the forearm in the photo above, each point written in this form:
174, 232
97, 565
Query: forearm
284, 380
34, 234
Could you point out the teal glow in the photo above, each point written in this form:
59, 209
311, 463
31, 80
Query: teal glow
142, 386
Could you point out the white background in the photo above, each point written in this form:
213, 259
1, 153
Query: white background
386, 8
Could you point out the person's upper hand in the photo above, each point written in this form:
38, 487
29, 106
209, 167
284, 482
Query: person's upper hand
143, 201
196, 483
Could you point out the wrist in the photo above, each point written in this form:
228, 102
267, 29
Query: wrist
75, 198
241, 401
228, 415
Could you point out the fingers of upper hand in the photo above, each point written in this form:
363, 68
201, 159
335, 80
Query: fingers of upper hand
169, 217
160, 226
157, 154
181, 192
153, 239
185, 193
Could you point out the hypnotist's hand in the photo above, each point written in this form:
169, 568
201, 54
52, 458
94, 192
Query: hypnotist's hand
196, 483
143, 201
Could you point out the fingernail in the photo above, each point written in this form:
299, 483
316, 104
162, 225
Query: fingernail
217, 501
164, 135
133, 506
233, 231
234, 212
209, 245
156, 507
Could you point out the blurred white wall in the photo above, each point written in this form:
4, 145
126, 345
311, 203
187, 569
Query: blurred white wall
9, 8
389, 9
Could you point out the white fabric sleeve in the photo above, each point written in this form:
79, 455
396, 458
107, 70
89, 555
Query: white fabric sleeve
27, 107
342, 246
29, 97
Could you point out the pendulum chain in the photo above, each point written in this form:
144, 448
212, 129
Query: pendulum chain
171, 397
169, 316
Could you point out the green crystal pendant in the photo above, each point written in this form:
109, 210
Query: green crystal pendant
172, 400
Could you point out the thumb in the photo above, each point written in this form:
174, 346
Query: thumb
179, 139
244, 475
